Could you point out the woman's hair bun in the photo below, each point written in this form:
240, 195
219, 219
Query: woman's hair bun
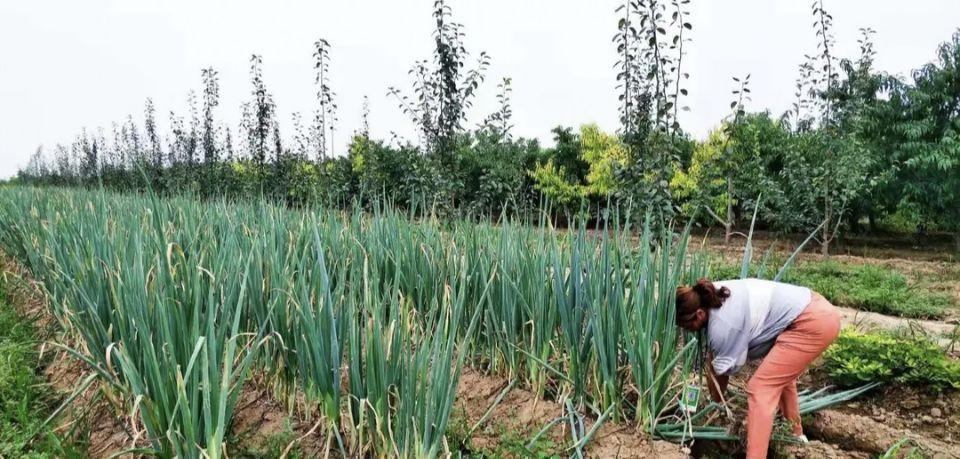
710, 295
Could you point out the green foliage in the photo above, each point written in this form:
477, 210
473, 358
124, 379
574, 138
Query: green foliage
929, 136
550, 180
571, 181
905, 448
857, 146
604, 154
25, 401
495, 176
856, 358
702, 182
510, 443
871, 288
368, 314
274, 445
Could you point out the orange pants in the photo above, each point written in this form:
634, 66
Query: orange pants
775, 382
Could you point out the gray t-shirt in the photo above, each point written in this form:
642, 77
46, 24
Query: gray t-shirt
750, 320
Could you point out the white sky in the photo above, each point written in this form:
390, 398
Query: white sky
67, 64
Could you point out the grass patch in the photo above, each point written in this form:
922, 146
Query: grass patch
25, 401
865, 287
856, 358
871, 288
274, 445
510, 443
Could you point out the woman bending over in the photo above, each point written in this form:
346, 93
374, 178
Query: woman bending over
787, 326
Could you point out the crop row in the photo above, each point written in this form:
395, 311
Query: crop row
174, 303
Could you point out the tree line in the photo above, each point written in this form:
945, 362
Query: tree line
858, 150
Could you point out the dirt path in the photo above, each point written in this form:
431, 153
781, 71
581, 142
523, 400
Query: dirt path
865, 320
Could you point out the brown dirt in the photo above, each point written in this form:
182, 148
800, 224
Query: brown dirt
924, 415
261, 419
820, 450
834, 432
869, 425
853, 431
522, 413
91, 418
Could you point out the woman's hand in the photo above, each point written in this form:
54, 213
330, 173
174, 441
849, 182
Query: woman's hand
716, 383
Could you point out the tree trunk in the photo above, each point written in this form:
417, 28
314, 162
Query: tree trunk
825, 242
728, 226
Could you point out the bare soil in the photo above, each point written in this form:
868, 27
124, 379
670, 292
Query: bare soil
863, 434
521, 413
930, 420
91, 417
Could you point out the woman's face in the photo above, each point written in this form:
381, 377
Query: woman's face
699, 320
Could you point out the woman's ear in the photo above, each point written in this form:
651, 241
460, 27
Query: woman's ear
701, 320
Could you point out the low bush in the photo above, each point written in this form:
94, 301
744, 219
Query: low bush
857, 358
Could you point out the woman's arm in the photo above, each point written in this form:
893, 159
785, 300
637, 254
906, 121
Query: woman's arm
716, 383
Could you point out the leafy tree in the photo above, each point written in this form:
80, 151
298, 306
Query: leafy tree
177, 139
36, 169
495, 171
833, 162
499, 123
325, 116
649, 76
571, 182
443, 91
211, 98
133, 145
930, 133
567, 153
192, 141
560, 173
228, 145
551, 181
605, 154
301, 140
86, 154
716, 167
260, 119
64, 170
863, 116
155, 151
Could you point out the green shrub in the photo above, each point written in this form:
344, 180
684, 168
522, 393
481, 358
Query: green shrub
857, 358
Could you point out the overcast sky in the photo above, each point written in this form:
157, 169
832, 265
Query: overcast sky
67, 64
